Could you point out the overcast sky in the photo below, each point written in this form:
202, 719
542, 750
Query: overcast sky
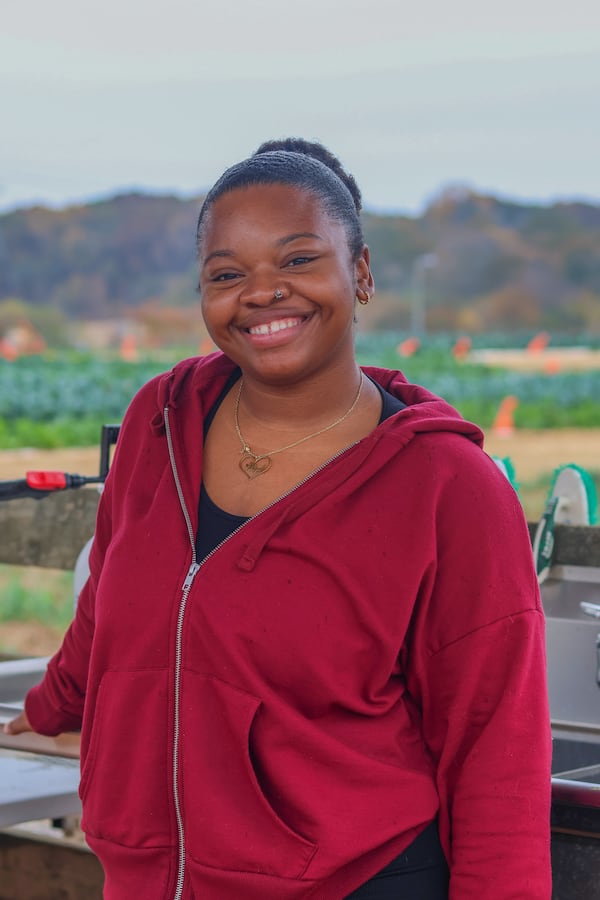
163, 95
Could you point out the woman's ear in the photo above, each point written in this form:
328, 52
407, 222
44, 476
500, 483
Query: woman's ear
365, 285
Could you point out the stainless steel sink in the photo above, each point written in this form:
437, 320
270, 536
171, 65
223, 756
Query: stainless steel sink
571, 600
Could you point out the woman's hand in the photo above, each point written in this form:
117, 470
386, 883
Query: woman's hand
18, 725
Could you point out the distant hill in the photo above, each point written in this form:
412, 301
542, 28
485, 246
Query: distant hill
473, 262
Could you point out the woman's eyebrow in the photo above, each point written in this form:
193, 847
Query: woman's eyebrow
280, 243
298, 234
225, 253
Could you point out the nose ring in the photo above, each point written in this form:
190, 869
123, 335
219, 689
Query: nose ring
278, 295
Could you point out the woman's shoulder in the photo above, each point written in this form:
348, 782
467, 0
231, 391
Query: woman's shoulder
175, 384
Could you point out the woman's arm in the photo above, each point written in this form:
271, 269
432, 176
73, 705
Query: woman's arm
477, 670
56, 704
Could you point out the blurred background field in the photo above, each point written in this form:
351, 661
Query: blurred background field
53, 404
477, 160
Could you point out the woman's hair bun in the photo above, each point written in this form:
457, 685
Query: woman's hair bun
306, 165
319, 152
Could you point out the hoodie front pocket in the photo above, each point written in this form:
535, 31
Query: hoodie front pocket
229, 821
124, 785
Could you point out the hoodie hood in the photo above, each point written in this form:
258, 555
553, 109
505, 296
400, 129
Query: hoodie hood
198, 382
426, 411
206, 376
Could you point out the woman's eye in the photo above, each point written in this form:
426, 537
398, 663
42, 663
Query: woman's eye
300, 260
224, 276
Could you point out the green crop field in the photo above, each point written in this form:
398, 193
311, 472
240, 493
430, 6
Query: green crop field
62, 400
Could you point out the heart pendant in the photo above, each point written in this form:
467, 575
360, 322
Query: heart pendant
252, 467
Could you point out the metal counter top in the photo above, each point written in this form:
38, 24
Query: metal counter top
34, 786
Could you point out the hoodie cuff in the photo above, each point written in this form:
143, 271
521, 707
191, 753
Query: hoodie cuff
47, 719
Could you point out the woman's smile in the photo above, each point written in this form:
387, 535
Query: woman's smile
276, 330
270, 328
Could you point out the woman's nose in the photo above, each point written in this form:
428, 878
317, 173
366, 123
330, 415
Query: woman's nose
263, 291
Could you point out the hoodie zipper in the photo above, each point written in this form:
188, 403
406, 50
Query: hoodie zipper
185, 592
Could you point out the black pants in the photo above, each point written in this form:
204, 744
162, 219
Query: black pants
419, 873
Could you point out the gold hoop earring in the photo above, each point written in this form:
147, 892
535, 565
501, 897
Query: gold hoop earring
363, 300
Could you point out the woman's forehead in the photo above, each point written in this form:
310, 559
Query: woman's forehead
258, 197
279, 208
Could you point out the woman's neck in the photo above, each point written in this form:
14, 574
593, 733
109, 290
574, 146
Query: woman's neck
302, 405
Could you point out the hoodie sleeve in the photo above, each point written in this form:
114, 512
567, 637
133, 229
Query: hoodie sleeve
56, 704
478, 673
487, 726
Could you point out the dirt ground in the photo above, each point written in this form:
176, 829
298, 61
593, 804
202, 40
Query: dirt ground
551, 359
80, 461
28, 639
532, 453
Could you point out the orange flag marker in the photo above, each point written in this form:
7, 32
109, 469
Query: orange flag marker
539, 342
408, 347
504, 422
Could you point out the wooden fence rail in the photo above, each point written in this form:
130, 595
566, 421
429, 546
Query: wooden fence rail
49, 533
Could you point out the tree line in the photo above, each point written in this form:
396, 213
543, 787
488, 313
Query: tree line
468, 262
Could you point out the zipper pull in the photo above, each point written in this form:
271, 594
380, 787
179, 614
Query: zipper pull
192, 571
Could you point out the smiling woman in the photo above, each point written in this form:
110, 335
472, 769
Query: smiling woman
279, 288
312, 601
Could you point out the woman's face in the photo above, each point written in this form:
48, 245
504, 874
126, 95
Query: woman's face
267, 238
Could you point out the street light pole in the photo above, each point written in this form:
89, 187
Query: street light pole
422, 264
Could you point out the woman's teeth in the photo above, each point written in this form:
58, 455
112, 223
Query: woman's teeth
273, 327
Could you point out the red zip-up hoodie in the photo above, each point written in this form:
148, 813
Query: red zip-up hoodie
280, 720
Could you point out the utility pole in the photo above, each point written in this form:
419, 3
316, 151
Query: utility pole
420, 267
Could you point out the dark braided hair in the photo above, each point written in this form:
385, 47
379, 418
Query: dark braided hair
303, 164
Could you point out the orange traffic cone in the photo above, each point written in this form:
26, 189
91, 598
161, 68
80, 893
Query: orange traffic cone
128, 349
504, 422
206, 347
408, 347
462, 347
8, 350
552, 366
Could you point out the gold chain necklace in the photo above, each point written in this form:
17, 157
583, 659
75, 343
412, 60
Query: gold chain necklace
255, 464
